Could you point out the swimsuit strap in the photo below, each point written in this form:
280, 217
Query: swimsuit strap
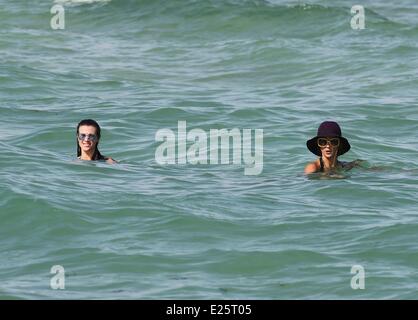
322, 164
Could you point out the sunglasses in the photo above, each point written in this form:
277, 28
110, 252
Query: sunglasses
90, 137
322, 142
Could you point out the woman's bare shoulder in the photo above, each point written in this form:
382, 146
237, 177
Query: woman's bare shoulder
110, 160
311, 167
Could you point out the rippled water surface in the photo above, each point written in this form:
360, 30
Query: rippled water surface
140, 230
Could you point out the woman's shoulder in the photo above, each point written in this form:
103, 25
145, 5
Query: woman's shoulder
312, 167
347, 165
110, 160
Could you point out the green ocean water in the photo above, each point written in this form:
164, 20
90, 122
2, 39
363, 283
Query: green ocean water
140, 230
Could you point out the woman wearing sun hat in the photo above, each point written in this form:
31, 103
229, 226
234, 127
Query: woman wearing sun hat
328, 145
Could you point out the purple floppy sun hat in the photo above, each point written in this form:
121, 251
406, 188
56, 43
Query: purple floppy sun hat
328, 129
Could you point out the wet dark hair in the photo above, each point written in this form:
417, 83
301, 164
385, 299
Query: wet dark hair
89, 122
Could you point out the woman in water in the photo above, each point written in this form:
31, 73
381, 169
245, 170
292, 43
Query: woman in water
328, 145
88, 137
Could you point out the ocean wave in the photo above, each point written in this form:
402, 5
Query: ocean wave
224, 19
80, 2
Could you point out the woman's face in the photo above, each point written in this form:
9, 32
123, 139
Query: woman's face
87, 138
329, 147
